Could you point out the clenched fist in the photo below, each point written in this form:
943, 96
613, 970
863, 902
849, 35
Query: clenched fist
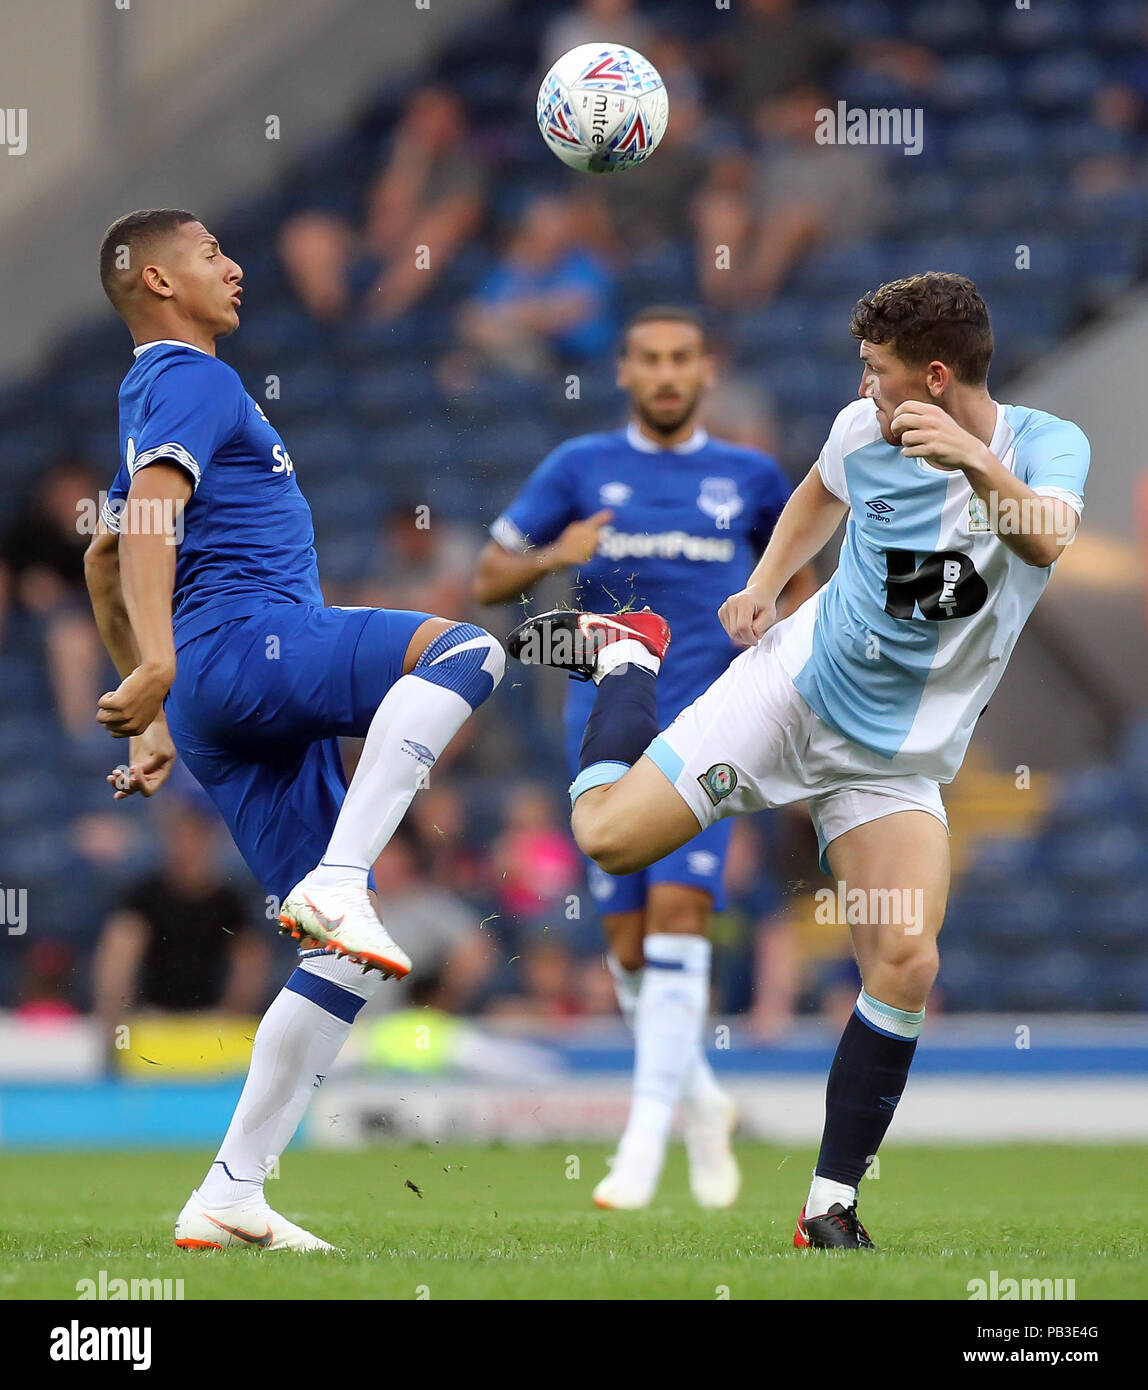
748, 615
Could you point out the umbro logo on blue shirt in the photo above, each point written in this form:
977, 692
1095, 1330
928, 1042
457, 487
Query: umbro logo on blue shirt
879, 509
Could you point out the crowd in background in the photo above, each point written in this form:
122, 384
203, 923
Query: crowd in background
483, 885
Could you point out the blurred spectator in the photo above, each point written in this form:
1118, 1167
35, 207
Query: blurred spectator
596, 21
652, 205
438, 929
430, 193
738, 407
182, 938
752, 887
44, 992
551, 295
42, 570
439, 817
421, 563
772, 209
536, 867
547, 987
772, 47
596, 989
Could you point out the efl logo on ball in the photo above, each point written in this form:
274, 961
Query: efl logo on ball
602, 107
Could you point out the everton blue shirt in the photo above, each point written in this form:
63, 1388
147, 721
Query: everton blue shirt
689, 524
247, 536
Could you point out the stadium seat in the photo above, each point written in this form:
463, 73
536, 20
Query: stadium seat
987, 144
1107, 855
393, 395
949, 25
1092, 796
971, 83
1061, 81
1118, 24
1049, 24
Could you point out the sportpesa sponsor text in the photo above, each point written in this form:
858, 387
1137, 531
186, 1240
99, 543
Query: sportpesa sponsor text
666, 545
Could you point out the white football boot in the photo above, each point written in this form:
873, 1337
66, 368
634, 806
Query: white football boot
342, 919
250, 1224
715, 1179
634, 1172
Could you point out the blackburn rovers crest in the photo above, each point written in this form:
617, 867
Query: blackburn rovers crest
718, 782
978, 513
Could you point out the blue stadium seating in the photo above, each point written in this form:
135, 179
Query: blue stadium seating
1008, 127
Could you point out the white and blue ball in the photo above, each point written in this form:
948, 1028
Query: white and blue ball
602, 107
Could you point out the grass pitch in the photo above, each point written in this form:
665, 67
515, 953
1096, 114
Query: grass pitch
500, 1223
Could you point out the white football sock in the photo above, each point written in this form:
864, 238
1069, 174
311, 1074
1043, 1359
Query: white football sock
412, 726
626, 651
297, 1041
668, 1023
700, 1085
824, 1192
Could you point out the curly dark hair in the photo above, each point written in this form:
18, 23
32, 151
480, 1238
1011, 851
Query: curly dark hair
935, 317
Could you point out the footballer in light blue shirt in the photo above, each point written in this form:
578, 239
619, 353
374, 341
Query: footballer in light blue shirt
862, 703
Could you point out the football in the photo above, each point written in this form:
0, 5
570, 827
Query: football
602, 108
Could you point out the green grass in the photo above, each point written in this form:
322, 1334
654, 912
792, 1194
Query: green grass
505, 1223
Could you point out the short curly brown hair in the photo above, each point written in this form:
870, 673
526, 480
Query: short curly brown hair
935, 317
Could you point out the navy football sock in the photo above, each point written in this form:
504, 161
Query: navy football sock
866, 1079
624, 719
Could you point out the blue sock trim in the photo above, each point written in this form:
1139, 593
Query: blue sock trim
668, 763
665, 964
332, 998
597, 775
911, 1022
472, 672
258, 1181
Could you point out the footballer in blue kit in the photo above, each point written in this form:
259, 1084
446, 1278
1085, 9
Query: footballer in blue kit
205, 587
656, 514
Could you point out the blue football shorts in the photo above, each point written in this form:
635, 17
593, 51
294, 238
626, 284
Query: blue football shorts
256, 712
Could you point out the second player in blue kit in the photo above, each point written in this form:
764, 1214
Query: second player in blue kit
656, 514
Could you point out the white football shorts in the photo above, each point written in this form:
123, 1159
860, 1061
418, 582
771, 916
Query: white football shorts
750, 742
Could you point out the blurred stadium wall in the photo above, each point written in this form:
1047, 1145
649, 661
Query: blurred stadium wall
167, 105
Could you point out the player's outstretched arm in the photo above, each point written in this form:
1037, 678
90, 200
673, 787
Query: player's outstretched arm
803, 529
507, 574
147, 576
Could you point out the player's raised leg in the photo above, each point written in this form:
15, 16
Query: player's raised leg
900, 863
285, 804
449, 669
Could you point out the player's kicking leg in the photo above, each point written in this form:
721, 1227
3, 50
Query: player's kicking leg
626, 814
901, 861
449, 670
